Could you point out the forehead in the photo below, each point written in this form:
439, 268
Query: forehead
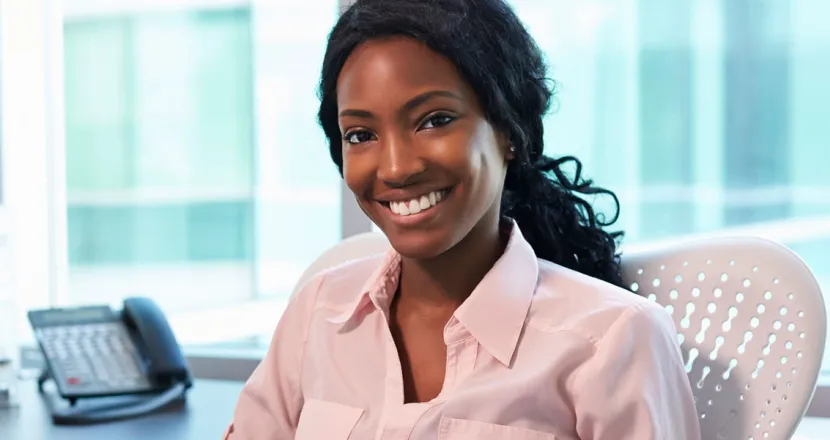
394, 68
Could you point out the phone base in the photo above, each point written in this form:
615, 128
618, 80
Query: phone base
8, 385
108, 409
44, 377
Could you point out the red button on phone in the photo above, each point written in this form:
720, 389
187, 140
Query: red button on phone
73, 381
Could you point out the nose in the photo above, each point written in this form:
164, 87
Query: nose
400, 163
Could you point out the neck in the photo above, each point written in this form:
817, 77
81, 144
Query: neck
446, 280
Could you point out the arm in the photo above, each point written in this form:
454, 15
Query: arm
270, 403
635, 386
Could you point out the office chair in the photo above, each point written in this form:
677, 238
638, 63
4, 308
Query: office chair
752, 324
750, 318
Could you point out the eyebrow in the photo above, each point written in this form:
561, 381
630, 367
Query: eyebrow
409, 106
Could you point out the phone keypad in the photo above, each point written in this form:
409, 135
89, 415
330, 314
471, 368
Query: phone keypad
92, 358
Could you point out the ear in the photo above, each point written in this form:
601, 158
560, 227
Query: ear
511, 152
506, 146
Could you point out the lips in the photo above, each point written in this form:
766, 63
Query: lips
408, 211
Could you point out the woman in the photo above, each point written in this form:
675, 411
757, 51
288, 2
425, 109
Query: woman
498, 315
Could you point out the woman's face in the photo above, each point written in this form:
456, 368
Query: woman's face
421, 159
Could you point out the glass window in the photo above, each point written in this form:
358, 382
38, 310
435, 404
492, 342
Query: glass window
703, 116
196, 173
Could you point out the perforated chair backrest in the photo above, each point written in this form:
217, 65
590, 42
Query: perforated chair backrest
752, 327
750, 318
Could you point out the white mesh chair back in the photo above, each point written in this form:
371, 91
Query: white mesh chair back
752, 325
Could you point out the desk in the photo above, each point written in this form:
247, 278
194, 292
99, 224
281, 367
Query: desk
204, 416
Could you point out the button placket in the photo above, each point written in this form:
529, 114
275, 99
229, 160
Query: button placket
393, 389
461, 353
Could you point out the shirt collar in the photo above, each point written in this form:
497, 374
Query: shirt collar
378, 289
494, 313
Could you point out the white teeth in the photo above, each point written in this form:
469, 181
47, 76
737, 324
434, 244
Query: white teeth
417, 204
414, 207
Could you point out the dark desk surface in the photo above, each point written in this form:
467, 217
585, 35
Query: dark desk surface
204, 416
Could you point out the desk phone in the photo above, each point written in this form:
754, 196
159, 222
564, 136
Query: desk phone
93, 351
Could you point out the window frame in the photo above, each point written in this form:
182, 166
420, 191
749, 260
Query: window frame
34, 82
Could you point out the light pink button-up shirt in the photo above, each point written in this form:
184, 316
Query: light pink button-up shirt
536, 352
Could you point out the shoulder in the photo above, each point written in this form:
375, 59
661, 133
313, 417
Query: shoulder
567, 300
339, 286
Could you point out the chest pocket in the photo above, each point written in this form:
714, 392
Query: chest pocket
458, 429
326, 420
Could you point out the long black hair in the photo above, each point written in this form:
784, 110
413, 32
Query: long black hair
500, 60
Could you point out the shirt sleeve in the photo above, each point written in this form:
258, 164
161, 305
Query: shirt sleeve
270, 402
635, 385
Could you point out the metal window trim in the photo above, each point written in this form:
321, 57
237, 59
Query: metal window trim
87, 9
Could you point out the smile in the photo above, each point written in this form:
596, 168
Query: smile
418, 204
416, 210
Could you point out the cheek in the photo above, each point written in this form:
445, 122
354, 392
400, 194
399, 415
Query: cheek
487, 170
486, 157
354, 184
356, 175
463, 153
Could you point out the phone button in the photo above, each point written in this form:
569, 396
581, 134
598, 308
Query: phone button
73, 381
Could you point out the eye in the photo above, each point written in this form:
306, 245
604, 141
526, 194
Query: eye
358, 136
437, 120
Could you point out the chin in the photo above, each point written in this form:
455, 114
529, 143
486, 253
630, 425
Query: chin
420, 245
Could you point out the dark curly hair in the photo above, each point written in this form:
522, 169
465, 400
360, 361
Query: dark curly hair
502, 63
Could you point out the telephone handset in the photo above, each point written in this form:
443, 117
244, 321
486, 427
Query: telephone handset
94, 351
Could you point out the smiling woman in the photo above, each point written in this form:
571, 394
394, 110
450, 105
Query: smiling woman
498, 313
